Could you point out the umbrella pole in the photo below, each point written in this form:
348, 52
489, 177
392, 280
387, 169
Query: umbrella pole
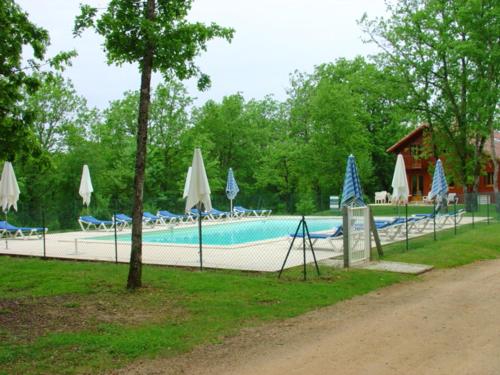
6, 234
434, 218
199, 236
406, 222
231, 207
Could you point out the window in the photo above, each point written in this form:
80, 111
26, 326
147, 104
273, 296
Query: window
416, 151
488, 179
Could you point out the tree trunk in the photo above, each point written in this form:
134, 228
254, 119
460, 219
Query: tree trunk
494, 159
135, 270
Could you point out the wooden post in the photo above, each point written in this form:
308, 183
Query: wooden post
345, 231
376, 237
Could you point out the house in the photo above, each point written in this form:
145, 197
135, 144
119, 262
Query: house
417, 167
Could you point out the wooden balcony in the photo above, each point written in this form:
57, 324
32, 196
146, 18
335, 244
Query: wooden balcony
411, 163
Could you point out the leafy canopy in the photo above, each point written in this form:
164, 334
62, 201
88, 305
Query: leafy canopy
175, 42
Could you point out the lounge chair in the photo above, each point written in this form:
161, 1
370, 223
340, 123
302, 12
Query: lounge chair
195, 213
391, 228
334, 239
89, 222
7, 230
443, 219
240, 210
420, 223
149, 219
216, 214
123, 220
449, 218
170, 218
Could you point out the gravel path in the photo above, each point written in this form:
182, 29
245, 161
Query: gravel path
446, 322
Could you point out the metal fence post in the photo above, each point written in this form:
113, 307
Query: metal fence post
455, 216
43, 234
406, 222
116, 238
304, 245
434, 218
345, 230
488, 210
473, 215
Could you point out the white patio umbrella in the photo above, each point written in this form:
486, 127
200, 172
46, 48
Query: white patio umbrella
86, 188
198, 193
186, 184
199, 190
400, 189
9, 189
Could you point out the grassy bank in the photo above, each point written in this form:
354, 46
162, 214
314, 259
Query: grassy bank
74, 317
70, 317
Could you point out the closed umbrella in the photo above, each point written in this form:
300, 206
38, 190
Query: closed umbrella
439, 187
186, 184
9, 189
86, 188
400, 189
232, 188
198, 193
352, 194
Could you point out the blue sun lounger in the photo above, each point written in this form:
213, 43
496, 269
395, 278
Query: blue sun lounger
7, 230
216, 214
443, 219
170, 218
150, 219
332, 238
123, 220
89, 222
242, 211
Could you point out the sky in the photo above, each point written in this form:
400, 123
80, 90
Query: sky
273, 38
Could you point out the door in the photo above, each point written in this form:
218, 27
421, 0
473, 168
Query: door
417, 186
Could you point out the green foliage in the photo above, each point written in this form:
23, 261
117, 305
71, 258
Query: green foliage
306, 204
16, 33
447, 52
129, 35
286, 156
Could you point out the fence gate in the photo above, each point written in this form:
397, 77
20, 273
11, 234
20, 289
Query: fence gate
357, 243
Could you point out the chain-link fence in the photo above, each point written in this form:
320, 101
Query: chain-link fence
245, 239
405, 222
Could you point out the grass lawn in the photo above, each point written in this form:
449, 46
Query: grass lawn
75, 317
450, 250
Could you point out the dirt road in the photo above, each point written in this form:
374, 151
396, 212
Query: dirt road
447, 322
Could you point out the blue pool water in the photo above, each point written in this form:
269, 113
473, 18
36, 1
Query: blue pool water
231, 233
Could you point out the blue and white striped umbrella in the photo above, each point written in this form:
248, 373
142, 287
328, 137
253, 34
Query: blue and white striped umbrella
231, 186
439, 185
352, 194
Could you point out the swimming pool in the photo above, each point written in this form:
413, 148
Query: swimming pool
231, 233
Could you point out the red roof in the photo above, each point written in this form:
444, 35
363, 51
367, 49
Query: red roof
405, 139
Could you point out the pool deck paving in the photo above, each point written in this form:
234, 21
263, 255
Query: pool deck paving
261, 256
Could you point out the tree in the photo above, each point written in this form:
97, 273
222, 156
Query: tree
16, 32
448, 52
58, 111
168, 123
155, 34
